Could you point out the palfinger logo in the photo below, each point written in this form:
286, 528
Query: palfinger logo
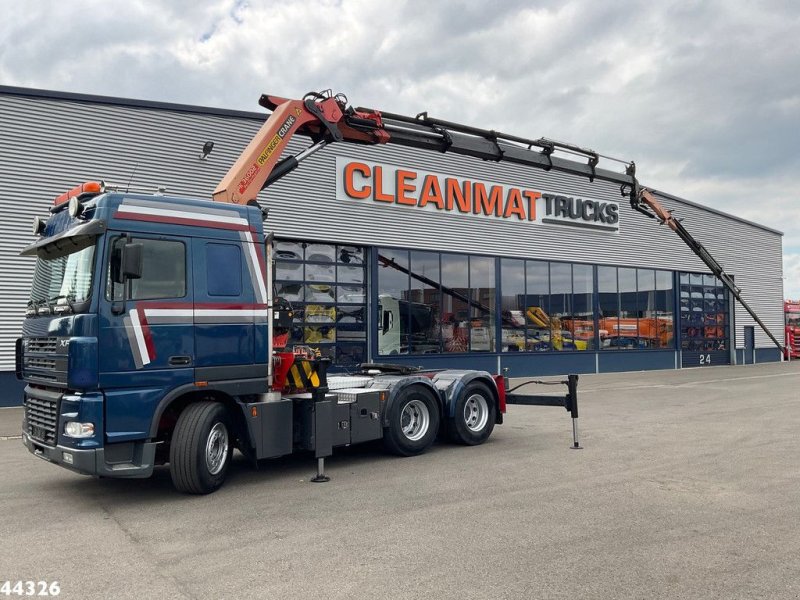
267, 152
273, 144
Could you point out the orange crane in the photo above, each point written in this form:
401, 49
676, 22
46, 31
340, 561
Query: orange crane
327, 118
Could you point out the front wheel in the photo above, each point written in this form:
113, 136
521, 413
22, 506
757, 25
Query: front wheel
413, 422
475, 411
201, 448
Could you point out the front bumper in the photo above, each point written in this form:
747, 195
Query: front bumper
92, 461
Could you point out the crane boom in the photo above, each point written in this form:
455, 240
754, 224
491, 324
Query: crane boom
327, 118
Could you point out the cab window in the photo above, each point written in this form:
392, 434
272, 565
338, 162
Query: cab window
163, 272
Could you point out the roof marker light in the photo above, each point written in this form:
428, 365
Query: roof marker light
89, 187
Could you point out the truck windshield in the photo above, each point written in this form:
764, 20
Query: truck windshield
793, 319
62, 284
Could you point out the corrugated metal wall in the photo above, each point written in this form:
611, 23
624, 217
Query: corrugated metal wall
50, 143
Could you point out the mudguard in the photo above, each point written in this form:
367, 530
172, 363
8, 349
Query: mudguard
451, 384
394, 384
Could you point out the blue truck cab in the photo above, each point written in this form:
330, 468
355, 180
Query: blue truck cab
146, 341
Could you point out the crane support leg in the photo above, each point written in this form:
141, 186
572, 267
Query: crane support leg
569, 401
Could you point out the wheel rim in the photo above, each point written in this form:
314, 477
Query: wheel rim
217, 448
476, 413
415, 420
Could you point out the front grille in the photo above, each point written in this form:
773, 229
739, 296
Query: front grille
42, 419
44, 359
36, 362
45, 345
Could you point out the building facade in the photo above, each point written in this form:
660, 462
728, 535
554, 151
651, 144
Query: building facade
390, 254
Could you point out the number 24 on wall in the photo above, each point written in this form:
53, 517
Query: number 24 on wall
705, 359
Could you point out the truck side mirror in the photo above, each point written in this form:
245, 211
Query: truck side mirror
132, 260
126, 262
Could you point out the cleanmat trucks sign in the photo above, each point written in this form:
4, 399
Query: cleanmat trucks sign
412, 189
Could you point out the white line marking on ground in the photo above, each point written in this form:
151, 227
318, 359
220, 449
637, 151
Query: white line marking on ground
686, 384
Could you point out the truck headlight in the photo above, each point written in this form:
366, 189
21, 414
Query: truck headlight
74, 429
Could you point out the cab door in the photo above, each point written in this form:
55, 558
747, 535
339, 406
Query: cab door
146, 332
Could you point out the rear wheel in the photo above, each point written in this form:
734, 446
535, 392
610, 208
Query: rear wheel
413, 422
474, 417
201, 448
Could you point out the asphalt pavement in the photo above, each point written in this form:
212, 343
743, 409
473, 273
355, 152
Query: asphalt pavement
687, 487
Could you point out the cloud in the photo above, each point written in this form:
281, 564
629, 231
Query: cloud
703, 95
791, 275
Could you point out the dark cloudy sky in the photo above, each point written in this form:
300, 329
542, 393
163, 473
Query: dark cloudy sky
704, 96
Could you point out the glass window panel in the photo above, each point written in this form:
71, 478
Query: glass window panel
537, 305
288, 250
455, 292
482, 294
223, 269
351, 323
293, 292
66, 278
560, 306
320, 292
352, 294
296, 335
320, 313
512, 303
424, 303
351, 315
320, 252
163, 270
351, 333
351, 255
581, 322
350, 274
393, 285
710, 303
350, 354
320, 272
393, 273
645, 306
325, 350
664, 309
560, 289
288, 270
608, 300
664, 280
319, 334
627, 334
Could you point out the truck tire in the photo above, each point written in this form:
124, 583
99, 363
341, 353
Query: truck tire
201, 448
413, 422
473, 421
